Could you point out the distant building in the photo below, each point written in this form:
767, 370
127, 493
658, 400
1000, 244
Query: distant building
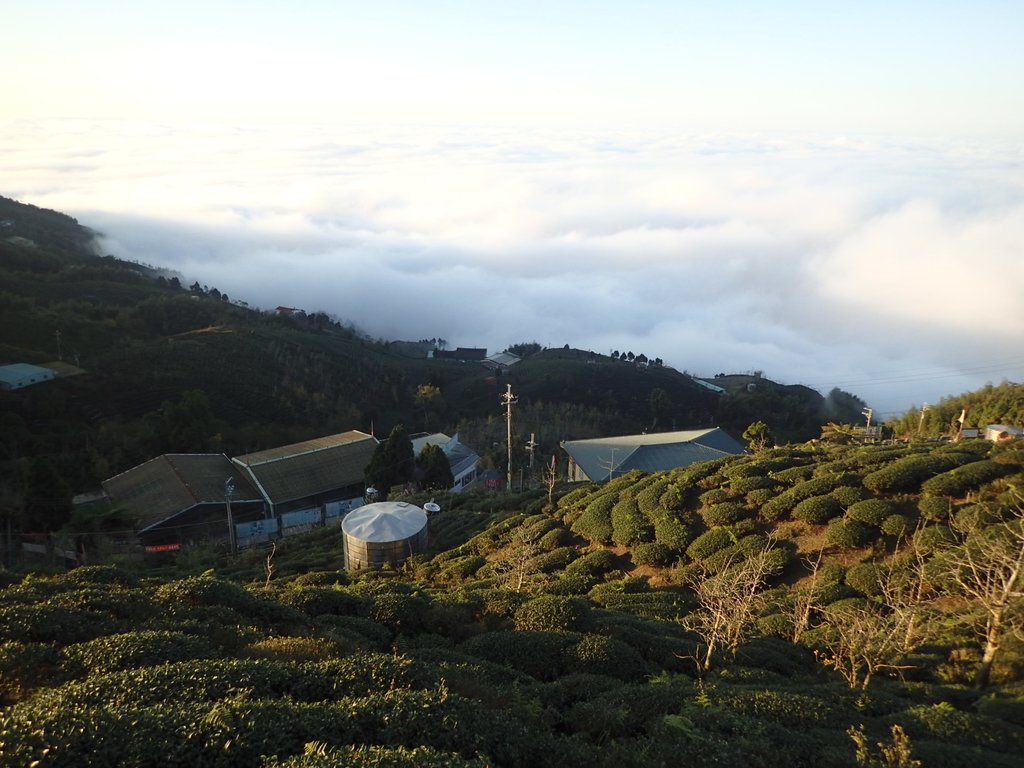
462, 354
501, 360
1000, 433
608, 457
21, 375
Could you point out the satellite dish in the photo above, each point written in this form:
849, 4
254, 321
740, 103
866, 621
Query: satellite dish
431, 506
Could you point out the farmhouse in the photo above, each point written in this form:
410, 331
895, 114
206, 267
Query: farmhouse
608, 457
178, 498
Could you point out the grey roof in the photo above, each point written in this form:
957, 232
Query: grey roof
312, 467
173, 483
460, 456
607, 457
384, 521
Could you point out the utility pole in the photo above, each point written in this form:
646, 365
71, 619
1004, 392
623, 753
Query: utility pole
229, 491
57, 334
508, 401
530, 446
920, 425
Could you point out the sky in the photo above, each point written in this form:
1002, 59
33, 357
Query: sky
831, 193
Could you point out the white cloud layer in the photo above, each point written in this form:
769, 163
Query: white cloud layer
891, 270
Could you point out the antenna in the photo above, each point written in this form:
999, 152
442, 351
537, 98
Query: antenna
508, 401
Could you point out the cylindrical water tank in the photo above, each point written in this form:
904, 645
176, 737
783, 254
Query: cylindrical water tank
383, 532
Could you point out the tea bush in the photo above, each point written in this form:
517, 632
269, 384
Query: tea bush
864, 578
934, 510
553, 613
708, 543
896, 525
723, 513
817, 509
596, 521
906, 474
145, 648
629, 526
870, 511
651, 553
848, 495
959, 481
846, 534
555, 560
602, 655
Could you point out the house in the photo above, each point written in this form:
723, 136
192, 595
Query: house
307, 483
21, 375
461, 458
501, 361
179, 498
608, 457
462, 354
1000, 433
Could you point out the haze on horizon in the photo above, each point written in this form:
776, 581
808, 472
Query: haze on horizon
831, 194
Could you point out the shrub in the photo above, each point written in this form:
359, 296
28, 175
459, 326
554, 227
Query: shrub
848, 495
863, 577
759, 497
602, 655
870, 511
596, 563
792, 475
534, 653
555, 538
744, 485
551, 613
906, 474
846, 534
552, 561
724, 513
708, 543
25, 666
895, 525
596, 521
463, 567
933, 537
817, 509
652, 553
714, 496
144, 648
628, 525
959, 481
934, 510
315, 601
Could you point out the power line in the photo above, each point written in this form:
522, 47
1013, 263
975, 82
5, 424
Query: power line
927, 374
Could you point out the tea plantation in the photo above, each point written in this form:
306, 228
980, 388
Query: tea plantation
568, 633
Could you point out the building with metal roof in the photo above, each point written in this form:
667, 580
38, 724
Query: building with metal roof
181, 497
311, 473
21, 375
462, 459
608, 457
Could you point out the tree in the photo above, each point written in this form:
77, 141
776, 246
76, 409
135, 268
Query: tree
428, 398
988, 568
758, 436
729, 603
392, 462
433, 469
47, 502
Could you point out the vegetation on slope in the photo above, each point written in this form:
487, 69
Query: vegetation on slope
790, 608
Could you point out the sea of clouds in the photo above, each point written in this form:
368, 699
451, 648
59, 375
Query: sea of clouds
891, 269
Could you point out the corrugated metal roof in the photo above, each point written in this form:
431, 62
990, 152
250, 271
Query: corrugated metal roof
613, 456
311, 467
174, 482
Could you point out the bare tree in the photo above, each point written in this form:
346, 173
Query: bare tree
729, 604
804, 599
987, 567
859, 639
516, 562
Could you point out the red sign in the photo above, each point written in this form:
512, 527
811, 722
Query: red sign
162, 547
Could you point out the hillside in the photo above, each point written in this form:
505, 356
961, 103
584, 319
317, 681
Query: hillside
149, 365
792, 608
